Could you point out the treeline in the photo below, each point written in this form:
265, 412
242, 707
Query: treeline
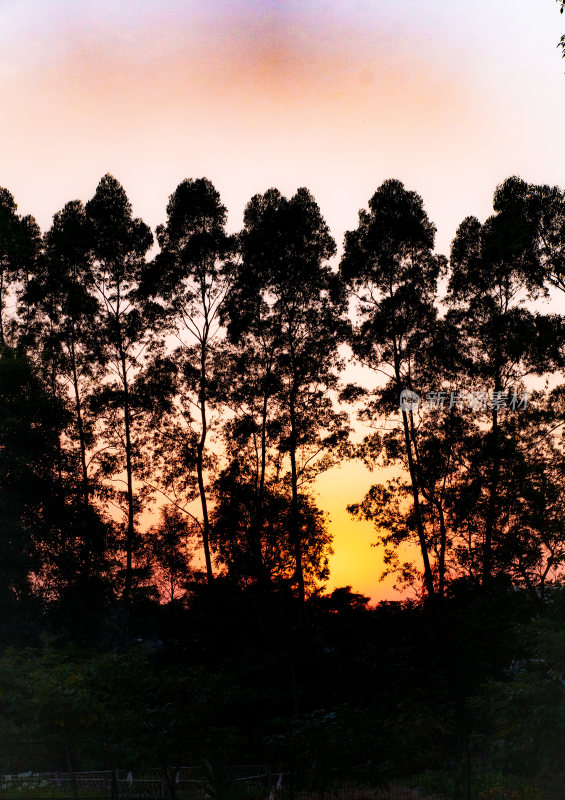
206, 378
209, 378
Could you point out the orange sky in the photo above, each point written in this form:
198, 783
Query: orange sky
449, 96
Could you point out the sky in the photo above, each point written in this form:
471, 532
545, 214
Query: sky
449, 96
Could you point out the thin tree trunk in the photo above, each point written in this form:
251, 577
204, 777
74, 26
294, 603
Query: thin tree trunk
200, 464
491, 508
256, 528
130, 536
80, 426
295, 531
428, 576
438, 504
442, 549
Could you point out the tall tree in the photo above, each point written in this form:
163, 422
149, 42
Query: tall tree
252, 434
465, 438
66, 313
288, 304
19, 247
119, 246
63, 290
389, 266
487, 291
188, 276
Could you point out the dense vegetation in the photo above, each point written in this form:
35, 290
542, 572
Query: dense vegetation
205, 380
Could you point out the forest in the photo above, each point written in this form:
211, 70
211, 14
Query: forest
167, 402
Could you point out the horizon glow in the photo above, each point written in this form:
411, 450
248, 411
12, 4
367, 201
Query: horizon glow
449, 97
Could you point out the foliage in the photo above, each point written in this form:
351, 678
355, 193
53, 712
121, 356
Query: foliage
206, 377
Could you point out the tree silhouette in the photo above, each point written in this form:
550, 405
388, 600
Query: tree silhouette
188, 276
389, 266
30, 423
62, 289
119, 244
19, 245
266, 556
65, 314
487, 288
287, 303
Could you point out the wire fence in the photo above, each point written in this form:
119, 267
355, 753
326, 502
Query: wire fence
173, 783
251, 782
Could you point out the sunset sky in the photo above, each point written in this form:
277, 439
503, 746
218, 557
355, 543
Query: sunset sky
449, 96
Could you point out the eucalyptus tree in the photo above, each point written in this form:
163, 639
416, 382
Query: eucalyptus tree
66, 316
119, 244
189, 279
488, 290
287, 307
62, 289
391, 270
252, 434
538, 212
19, 248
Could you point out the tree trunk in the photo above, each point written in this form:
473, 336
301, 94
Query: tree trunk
491, 507
428, 576
442, 549
130, 536
256, 528
80, 426
294, 520
200, 465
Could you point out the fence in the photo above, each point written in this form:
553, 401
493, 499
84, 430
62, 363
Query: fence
174, 783
247, 782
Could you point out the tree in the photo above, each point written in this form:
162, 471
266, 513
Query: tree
30, 422
62, 289
286, 306
188, 276
267, 557
538, 212
19, 244
65, 312
119, 244
487, 291
389, 266
251, 386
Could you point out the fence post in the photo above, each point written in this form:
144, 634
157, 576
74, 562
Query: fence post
171, 774
114, 785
